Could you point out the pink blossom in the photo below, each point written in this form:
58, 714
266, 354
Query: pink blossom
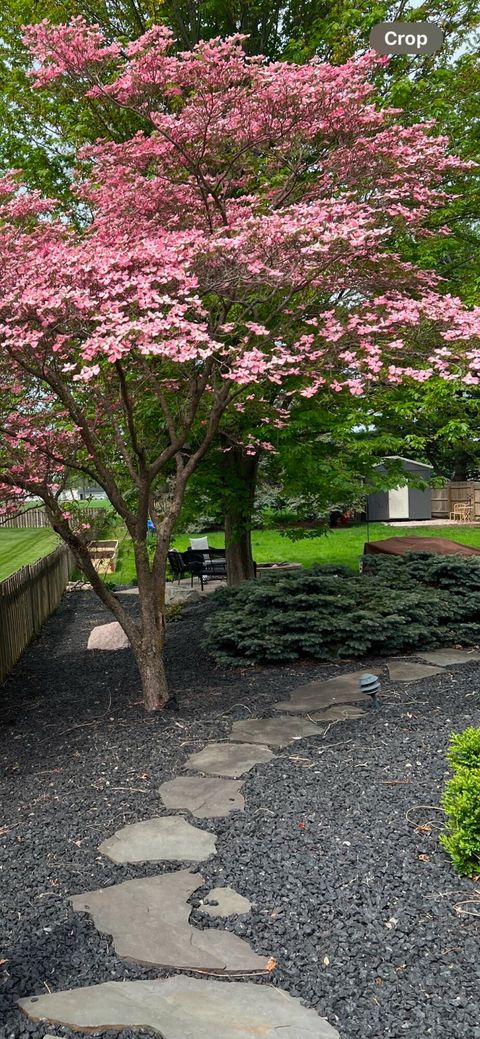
213, 279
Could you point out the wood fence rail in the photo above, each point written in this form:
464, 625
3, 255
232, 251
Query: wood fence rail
27, 598
38, 517
29, 518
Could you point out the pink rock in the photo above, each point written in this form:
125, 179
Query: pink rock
108, 636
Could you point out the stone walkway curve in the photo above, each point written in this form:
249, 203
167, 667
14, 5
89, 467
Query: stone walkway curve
148, 918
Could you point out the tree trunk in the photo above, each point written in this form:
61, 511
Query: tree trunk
238, 550
240, 475
461, 463
150, 664
149, 643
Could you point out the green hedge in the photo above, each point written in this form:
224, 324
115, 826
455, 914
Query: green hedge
457, 573
461, 801
327, 613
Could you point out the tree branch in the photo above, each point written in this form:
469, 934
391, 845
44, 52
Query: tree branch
128, 409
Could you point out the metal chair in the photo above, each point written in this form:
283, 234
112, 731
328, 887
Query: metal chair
209, 565
177, 564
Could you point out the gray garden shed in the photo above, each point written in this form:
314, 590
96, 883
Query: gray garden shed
404, 502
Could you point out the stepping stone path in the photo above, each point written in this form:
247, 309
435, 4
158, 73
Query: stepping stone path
108, 636
148, 921
181, 1007
320, 695
224, 901
168, 839
275, 732
229, 759
148, 918
410, 671
205, 797
449, 657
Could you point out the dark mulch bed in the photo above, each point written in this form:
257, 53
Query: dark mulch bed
355, 903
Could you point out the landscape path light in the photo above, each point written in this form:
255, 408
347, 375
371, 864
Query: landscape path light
370, 684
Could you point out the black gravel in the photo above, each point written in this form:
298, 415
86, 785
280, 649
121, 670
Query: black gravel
338, 846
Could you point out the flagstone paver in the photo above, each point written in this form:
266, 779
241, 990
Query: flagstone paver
409, 671
319, 695
229, 759
148, 921
275, 732
205, 797
341, 713
166, 838
179, 1007
449, 657
224, 901
108, 636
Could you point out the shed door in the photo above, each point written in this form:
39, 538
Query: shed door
398, 503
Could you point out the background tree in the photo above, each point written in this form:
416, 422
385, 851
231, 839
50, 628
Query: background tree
214, 241
437, 421
317, 456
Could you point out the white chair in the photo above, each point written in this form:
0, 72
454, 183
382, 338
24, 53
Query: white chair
199, 544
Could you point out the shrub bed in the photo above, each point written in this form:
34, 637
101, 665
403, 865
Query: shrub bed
328, 612
461, 801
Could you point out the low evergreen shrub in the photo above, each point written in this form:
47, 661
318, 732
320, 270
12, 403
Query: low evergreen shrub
461, 802
464, 750
426, 568
329, 612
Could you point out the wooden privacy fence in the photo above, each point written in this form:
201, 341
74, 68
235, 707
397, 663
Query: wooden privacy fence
29, 518
27, 598
38, 517
444, 498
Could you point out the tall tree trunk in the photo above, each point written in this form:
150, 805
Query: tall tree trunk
149, 658
240, 476
149, 644
147, 638
461, 463
238, 552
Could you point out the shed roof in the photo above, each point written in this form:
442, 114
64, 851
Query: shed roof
400, 458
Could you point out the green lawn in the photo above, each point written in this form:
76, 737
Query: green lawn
20, 547
338, 546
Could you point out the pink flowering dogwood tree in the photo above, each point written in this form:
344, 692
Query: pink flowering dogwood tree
240, 242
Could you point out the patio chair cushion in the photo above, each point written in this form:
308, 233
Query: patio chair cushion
199, 544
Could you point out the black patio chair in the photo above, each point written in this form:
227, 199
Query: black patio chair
211, 564
178, 564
